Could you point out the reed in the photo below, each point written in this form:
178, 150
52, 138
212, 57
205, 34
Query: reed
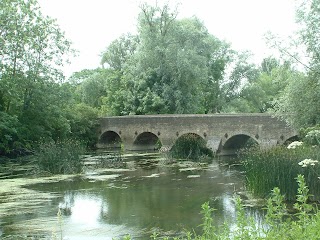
278, 167
60, 157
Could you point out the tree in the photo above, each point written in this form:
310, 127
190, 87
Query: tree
300, 102
242, 73
33, 49
171, 66
89, 86
308, 15
120, 51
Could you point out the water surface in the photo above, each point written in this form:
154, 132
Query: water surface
137, 195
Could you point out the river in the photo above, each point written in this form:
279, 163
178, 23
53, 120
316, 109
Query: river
135, 194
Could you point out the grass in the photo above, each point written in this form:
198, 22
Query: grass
278, 167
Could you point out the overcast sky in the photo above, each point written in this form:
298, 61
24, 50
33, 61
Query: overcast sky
92, 24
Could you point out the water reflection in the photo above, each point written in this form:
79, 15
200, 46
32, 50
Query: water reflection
145, 197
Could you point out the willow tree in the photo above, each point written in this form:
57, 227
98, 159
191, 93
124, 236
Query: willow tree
175, 65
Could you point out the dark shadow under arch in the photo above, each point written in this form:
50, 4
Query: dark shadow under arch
147, 141
109, 139
237, 142
290, 140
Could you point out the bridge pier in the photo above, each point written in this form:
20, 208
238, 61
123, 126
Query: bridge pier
214, 143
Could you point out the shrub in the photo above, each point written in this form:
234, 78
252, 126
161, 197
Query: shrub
190, 146
311, 135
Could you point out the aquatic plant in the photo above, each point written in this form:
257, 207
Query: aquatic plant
63, 157
190, 146
278, 167
111, 160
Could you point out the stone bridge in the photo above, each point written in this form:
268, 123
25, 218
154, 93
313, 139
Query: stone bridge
223, 133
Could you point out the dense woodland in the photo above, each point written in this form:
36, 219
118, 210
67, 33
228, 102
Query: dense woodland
171, 65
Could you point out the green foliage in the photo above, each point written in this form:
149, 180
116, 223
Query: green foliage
207, 225
83, 121
308, 18
311, 135
171, 66
300, 100
262, 86
300, 111
89, 86
120, 51
33, 49
284, 226
278, 167
62, 157
9, 133
190, 146
276, 209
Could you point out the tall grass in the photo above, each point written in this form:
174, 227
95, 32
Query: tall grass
278, 167
60, 157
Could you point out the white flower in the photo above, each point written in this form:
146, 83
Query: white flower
294, 144
308, 161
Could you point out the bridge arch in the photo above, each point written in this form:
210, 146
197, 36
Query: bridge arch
237, 142
188, 135
147, 141
289, 140
189, 145
109, 139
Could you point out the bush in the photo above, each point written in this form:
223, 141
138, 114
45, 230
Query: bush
60, 157
313, 137
190, 146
